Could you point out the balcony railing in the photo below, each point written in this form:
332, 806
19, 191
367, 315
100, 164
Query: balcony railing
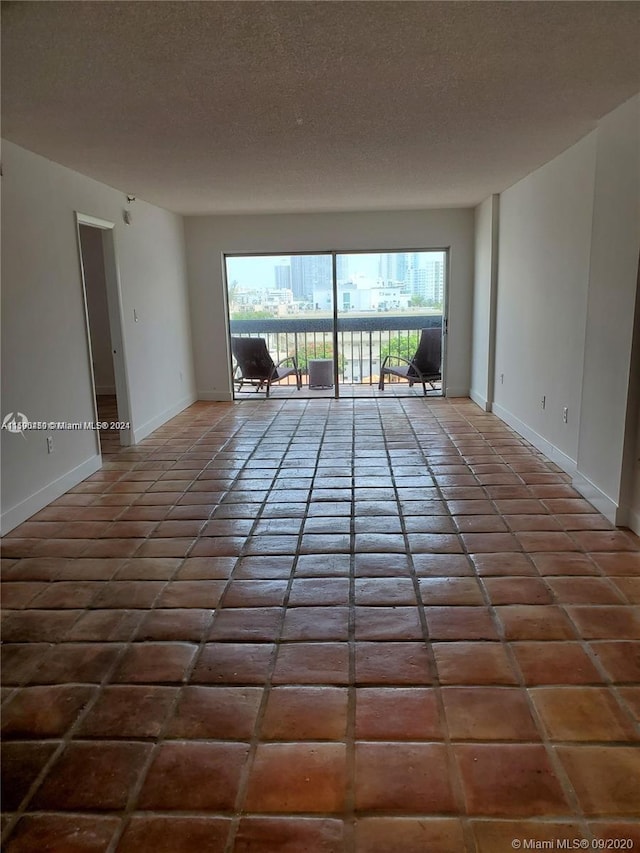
361, 340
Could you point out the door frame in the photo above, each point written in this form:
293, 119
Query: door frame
115, 309
333, 254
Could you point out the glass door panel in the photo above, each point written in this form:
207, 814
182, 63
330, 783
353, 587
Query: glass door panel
384, 301
287, 300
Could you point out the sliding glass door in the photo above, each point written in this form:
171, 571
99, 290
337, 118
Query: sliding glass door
384, 301
338, 317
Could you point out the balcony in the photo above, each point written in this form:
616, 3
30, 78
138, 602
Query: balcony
363, 342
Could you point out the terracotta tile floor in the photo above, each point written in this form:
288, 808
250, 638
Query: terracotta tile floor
373, 626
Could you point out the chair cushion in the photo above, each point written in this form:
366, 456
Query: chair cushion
402, 370
282, 372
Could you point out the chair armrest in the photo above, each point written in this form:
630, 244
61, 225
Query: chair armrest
400, 358
288, 358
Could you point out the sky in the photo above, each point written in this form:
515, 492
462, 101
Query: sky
258, 272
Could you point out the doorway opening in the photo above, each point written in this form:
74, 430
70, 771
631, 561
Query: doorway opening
340, 318
103, 310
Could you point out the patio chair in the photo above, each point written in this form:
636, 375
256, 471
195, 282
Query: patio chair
425, 366
255, 365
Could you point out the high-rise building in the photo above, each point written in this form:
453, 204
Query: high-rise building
385, 267
342, 267
402, 267
309, 272
426, 275
393, 267
418, 282
434, 268
283, 277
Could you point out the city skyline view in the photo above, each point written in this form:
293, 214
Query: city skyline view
382, 300
259, 271
366, 281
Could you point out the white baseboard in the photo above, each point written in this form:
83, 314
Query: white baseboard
215, 396
452, 391
140, 432
603, 503
34, 503
550, 450
480, 401
633, 520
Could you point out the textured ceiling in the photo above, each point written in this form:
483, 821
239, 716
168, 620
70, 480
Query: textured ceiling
229, 107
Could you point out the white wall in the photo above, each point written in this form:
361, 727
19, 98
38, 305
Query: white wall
543, 273
97, 309
567, 287
208, 237
45, 365
484, 302
630, 497
611, 303
633, 515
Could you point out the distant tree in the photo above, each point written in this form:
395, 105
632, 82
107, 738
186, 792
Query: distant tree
317, 349
251, 315
404, 346
417, 301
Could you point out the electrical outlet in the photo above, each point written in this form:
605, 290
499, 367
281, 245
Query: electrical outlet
49, 444
543, 403
565, 415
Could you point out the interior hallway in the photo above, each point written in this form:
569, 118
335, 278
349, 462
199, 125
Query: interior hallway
372, 625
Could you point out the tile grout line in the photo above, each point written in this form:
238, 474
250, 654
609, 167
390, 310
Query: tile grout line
243, 786
582, 642
64, 742
461, 441
134, 793
454, 774
549, 746
350, 814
